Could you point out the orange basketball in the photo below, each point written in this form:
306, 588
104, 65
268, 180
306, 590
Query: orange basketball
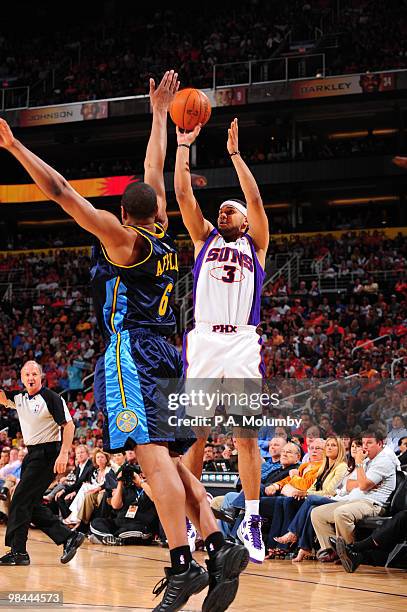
189, 107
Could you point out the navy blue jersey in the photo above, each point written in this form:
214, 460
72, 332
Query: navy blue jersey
130, 297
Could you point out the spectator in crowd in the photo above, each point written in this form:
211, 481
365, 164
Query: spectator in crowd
402, 453
135, 520
376, 546
375, 482
329, 475
300, 531
90, 493
82, 474
397, 431
234, 502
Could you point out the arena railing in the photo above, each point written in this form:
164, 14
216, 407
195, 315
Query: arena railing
14, 98
394, 363
324, 386
372, 341
277, 69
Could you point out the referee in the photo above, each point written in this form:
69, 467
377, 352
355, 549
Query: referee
42, 413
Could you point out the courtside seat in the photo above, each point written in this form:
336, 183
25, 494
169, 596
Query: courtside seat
398, 502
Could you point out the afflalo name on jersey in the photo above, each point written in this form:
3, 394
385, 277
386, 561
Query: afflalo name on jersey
228, 279
129, 297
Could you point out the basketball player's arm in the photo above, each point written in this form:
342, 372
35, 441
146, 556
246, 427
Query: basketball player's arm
198, 227
101, 223
160, 98
256, 215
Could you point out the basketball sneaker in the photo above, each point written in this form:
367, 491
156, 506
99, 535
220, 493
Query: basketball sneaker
249, 533
191, 533
180, 587
224, 568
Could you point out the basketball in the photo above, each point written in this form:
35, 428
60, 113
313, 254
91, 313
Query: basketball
190, 107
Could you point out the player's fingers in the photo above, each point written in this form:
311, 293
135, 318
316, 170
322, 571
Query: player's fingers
177, 86
173, 82
168, 78
163, 81
152, 86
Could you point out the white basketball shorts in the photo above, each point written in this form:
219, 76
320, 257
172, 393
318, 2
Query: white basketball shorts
223, 351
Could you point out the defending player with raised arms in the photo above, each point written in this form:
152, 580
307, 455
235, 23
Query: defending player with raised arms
133, 272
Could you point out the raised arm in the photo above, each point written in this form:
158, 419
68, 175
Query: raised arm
198, 227
55, 187
256, 215
160, 98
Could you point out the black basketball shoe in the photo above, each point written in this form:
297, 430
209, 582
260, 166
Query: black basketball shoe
224, 569
180, 587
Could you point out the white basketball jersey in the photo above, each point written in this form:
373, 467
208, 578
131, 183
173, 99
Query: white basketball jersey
228, 280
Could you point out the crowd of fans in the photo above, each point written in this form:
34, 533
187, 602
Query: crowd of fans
310, 338
373, 36
116, 54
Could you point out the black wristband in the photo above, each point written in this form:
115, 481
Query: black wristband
234, 153
184, 145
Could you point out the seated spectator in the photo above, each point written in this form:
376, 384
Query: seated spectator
300, 531
233, 502
376, 546
298, 480
136, 519
90, 493
398, 430
402, 453
208, 459
4, 456
329, 475
83, 473
11, 476
375, 482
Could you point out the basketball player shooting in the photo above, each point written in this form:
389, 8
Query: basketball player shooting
228, 278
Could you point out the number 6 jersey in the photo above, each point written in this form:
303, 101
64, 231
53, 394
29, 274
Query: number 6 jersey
130, 297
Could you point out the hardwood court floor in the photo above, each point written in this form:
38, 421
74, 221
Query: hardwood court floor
121, 579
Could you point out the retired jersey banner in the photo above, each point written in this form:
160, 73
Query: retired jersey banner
88, 188
63, 113
344, 85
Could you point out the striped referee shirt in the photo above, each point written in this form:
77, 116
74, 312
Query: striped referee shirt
40, 415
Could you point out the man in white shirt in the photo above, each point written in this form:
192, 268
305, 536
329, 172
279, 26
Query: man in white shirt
369, 495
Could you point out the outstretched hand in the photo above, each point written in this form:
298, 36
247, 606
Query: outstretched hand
401, 162
188, 138
162, 96
233, 137
6, 135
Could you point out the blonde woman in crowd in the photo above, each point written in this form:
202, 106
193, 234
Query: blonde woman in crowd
90, 494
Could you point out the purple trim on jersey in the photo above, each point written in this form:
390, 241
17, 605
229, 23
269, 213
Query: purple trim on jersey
199, 261
254, 318
262, 364
184, 352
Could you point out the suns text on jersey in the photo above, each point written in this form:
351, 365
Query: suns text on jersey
168, 262
229, 254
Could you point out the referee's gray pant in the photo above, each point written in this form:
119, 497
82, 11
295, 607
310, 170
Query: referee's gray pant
37, 473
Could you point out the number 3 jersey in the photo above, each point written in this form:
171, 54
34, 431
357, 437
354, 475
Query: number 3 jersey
228, 280
137, 296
